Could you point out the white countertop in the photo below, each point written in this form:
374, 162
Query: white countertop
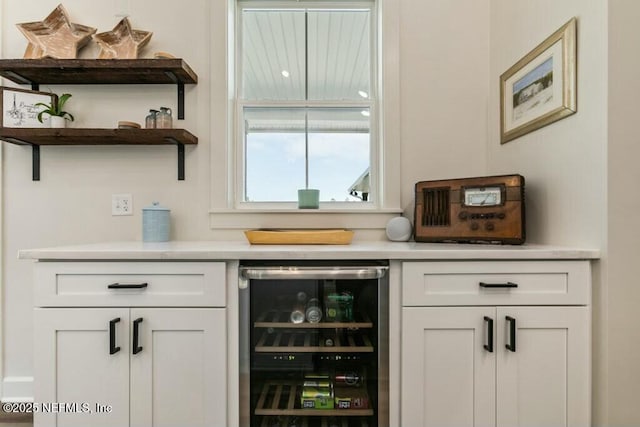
217, 250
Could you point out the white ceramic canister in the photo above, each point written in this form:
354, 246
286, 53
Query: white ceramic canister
155, 223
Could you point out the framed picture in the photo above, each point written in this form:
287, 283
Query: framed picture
541, 87
19, 107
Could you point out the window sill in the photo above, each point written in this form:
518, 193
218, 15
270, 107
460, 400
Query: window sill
301, 218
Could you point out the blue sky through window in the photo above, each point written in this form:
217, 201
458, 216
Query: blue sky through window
276, 164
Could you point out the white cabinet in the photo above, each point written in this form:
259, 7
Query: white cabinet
178, 376
73, 364
484, 364
447, 377
545, 381
132, 366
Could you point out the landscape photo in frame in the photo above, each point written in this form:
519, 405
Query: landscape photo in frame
541, 87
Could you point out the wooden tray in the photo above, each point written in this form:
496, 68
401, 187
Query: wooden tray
299, 237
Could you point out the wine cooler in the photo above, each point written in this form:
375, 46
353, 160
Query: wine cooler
314, 344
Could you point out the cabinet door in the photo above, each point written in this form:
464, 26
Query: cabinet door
75, 368
178, 377
448, 377
546, 380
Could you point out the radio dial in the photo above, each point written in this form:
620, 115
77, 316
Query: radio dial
474, 226
489, 226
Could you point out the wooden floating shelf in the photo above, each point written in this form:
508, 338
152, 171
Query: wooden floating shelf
101, 71
280, 319
78, 136
98, 71
282, 398
305, 341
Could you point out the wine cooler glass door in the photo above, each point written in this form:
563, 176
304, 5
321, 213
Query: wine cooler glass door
314, 345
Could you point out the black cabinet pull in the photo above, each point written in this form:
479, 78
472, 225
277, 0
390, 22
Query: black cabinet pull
113, 349
498, 285
511, 346
489, 345
136, 326
128, 285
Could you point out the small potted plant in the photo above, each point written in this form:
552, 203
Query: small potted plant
58, 116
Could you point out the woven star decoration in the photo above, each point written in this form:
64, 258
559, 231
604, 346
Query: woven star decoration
123, 42
55, 36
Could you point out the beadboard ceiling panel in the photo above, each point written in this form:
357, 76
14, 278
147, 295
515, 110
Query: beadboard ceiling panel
338, 55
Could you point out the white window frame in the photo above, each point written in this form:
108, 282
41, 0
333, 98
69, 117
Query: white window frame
370, 103
226, 213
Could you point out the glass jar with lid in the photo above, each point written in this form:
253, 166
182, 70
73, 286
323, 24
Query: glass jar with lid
164, 119
150, 120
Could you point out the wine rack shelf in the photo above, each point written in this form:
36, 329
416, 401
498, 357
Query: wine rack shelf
292, 420
283, 398
280, 319
306, 341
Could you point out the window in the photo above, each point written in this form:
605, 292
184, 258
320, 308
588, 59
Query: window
307, 108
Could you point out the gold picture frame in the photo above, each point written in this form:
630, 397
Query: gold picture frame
531, 94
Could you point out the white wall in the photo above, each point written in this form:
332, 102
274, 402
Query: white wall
71, 203
444, 75
443, 134
624, 205
565, 163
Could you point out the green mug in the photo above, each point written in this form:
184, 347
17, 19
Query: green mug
308, 199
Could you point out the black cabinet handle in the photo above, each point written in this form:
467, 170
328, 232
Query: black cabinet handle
498, 285
511, 346
136, 326
128, 285
113, 349
489, 345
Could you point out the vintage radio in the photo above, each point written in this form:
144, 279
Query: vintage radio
484, 209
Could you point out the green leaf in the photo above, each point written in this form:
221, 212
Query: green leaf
55, 108
63, 100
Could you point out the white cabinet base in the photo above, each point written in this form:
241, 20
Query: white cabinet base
448, 379
73, 365
140, 344
178, 378
175, 379
513, 352
546, 382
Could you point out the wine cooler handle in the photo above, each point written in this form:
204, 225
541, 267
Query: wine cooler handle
127, 285
136, 327
283, 273
489, 345
113, 349
511, 346
498, 285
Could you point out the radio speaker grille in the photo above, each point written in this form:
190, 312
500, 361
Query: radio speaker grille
436, 207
